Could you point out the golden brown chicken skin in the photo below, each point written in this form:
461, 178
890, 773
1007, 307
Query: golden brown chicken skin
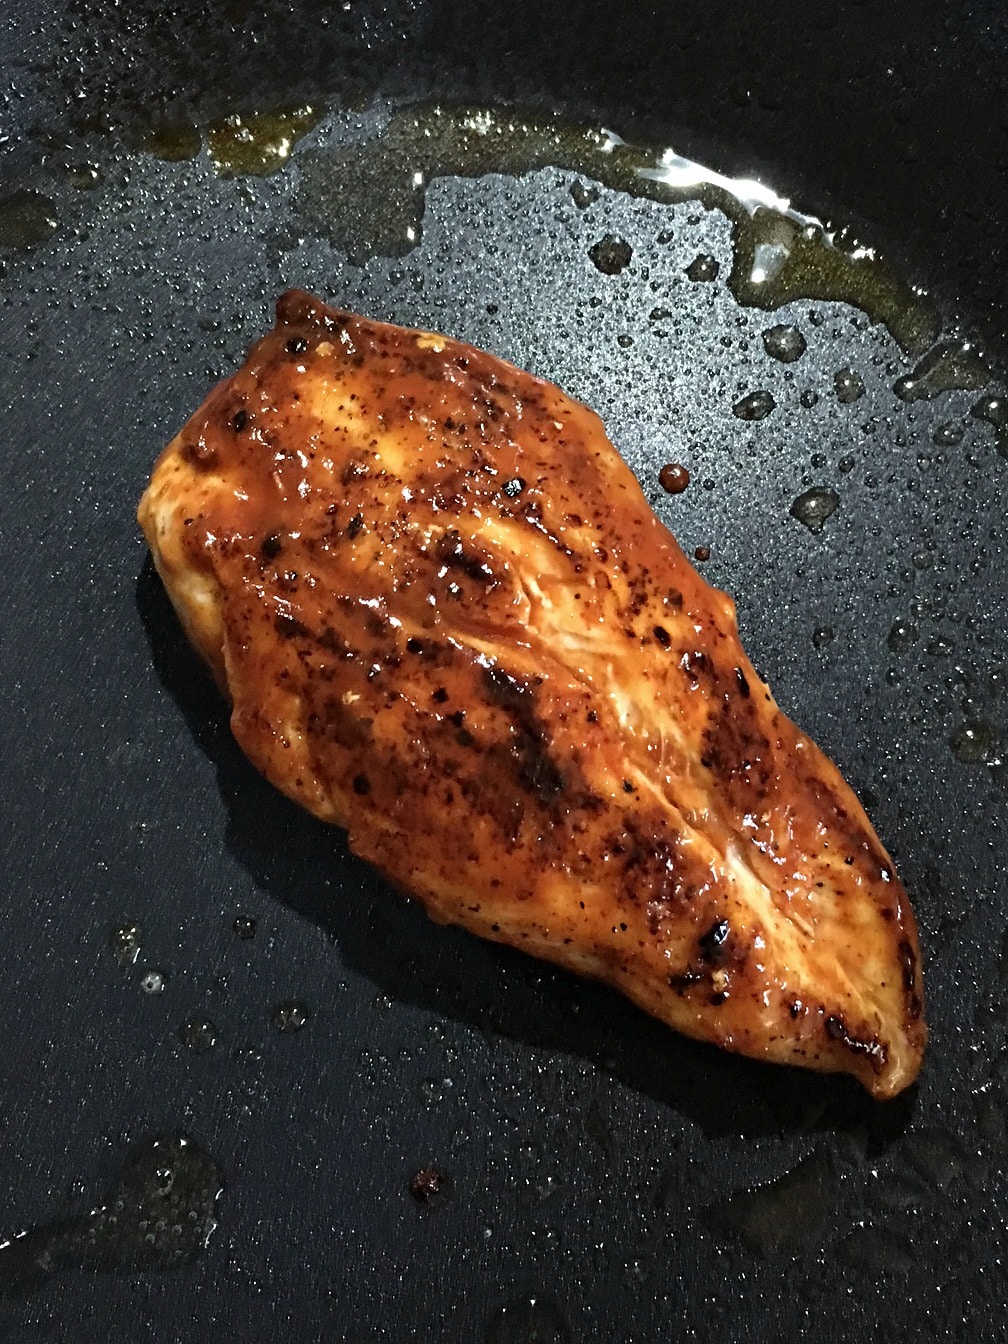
448, 620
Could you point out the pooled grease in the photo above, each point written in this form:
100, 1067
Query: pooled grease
160, 1214
369, 198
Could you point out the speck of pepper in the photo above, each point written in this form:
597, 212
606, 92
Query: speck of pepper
701, 553
673, 478
428, 1182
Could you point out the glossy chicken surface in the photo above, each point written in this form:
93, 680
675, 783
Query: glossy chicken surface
448, 620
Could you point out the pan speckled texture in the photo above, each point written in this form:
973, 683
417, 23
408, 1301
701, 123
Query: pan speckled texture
636, 1186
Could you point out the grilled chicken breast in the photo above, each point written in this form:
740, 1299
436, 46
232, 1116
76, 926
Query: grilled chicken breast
447, 620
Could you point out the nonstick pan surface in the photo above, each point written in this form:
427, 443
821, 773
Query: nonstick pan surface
202, 989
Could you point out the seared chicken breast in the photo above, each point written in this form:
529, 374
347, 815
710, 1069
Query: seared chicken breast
447, 619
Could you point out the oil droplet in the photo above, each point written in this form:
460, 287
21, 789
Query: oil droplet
673, 478
259, 144
198, 1034
994, 410
83, 176
125, 943
785, 1212
160, 1215
948, 434
701, 553
434, 1090
814, 506
808, 398
975, 742
152, 982
27, 218
902, 636
530, 1320
245, 927
174, 142
879, 1253
755, 406
703, 268
610, 254
290, 1016
585, 194
784, 343
939, 647
952, 364
848, 385
822, 636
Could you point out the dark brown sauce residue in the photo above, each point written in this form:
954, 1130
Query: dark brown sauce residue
673, 478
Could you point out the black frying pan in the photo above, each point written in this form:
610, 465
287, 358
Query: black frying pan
312, 1039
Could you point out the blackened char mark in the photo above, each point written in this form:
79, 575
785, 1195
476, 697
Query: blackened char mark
528, 748
451, 552
335, 722
908, 959
737, 752
837, 1030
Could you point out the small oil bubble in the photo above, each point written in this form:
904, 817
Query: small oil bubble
289, 1017
948, 434
584, 194
939, 646
975, 742
703, 268
83, 176
822, 636
125, 943
902, 636
846, 464
785, 343
27, 218
994, 410
198, 1034
434, 1090
152, 982
808, 398
245, 927
610, 254
848, 385
814, 506
754, 406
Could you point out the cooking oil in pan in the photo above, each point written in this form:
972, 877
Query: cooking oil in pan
369, 196
160, 1214
949, 366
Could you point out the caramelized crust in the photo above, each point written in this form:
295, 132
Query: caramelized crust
447, 620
